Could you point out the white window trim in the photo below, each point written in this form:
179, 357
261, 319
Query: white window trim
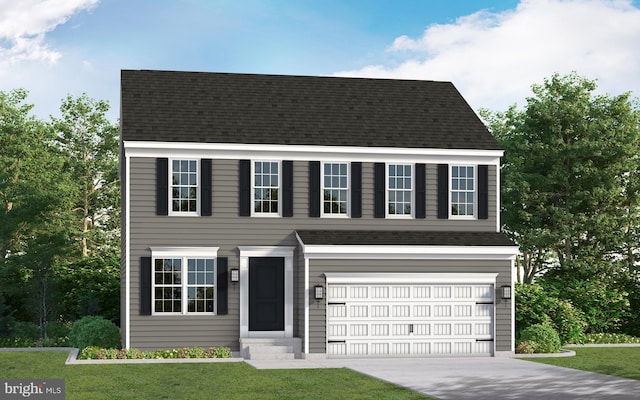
475, 192
198, 189
322, 188
184, 253
413, 191
253, 190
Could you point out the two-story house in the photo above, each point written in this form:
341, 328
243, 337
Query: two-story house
316, 216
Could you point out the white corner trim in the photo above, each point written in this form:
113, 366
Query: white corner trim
127, 255
236, 151
413, 278
306, 306
409, 252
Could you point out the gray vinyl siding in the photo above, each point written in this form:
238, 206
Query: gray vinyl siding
225, 229
317, 312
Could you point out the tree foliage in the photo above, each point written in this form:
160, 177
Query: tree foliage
89, 143
44, 170
570, 194
570, 174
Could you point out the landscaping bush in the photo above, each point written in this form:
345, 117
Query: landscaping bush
610, 338
94, 331
544, 336
97, 353
535, 306
527, 347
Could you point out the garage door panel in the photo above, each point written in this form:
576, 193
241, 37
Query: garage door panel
409, 320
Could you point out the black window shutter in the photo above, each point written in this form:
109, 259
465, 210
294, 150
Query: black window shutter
356, 190
145, 285
287, 188
378, 190
443, 191
222, 301
421, 191
162, 186
245, 188
205, 187
483, 191
314, 188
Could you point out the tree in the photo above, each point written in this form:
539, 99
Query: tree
570, 175
571, 196
89, 142
34, 195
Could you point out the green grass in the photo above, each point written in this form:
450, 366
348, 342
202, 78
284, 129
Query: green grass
623, 362
195, 381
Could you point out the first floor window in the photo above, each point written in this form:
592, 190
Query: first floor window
200, 287
184, 285
266, 187
335, 189
463, 190
184, 186
399, 189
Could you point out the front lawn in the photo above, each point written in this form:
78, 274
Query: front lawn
623, 362
195, 381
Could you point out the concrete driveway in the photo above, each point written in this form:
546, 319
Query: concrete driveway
481, 378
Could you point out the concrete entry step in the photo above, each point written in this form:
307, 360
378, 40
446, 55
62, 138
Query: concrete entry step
271, 349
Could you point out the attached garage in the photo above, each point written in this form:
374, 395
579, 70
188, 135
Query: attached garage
429, 294
404, 315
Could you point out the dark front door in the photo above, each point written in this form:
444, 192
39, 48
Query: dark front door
266, 294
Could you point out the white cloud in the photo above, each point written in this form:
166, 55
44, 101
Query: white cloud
494, 58
24, 24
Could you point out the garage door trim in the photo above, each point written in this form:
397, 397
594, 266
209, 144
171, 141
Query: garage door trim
391, 278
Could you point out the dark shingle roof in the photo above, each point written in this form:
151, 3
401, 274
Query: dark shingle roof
304, 110
400, 238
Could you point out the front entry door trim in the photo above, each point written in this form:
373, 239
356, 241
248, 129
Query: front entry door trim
247, 252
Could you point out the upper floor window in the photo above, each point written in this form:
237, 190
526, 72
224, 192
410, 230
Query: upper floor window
399, 189
184, 186
335, 189
184, 284
463, 190
266, 188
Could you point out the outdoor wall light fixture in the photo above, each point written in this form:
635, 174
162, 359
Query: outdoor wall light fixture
235, 275
506, 292
318, 292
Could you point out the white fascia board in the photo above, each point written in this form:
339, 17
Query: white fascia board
412, 278
237, 151
391, 252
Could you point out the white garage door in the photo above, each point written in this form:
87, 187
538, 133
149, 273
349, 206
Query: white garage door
383, 320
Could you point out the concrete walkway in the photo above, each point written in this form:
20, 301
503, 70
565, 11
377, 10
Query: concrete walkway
480, 378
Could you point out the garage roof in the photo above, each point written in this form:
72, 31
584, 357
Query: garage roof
403, 238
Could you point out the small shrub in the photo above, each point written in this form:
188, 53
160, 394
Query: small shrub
527, 347
89, 353
544, 335
219, 352
535, 306
94, 331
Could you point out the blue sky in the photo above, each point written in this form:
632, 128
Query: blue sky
491, 50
